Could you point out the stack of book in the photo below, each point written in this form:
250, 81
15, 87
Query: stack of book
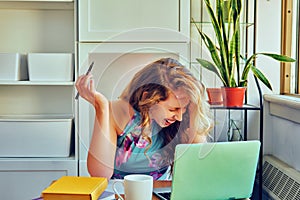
77, 188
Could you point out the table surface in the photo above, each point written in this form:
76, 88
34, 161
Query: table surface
157, 184
160, 184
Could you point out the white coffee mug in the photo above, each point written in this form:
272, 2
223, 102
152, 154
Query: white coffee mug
136, 187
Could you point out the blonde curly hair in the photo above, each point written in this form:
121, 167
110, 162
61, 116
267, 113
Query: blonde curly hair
158, 80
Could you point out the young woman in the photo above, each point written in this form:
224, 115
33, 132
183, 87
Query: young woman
162, 106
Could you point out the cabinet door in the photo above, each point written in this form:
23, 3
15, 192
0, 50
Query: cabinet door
150, 20
26, 179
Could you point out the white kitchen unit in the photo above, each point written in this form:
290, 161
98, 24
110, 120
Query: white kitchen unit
38, 138
149, 20
121, 37
140, 32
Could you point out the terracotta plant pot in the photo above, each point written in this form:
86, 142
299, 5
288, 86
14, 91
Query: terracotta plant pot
214, 96
233, 96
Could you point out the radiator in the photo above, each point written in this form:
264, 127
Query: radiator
280, 181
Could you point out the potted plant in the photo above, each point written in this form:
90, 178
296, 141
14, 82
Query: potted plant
214, 96
227, 62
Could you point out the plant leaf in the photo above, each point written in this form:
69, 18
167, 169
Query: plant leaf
211, 67
246, 69
261, 76
223, 41
236, 11
222, 73
209, 44
257, 72
218, 34
279, 57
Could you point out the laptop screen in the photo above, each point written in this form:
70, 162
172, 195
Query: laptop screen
222, 170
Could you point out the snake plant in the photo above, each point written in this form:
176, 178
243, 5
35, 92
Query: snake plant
228, 64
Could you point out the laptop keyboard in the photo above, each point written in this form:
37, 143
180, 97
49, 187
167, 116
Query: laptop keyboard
164, 195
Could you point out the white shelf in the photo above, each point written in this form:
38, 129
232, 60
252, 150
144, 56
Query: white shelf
36, 117
38, 4
32, 83
38, 0
39, 159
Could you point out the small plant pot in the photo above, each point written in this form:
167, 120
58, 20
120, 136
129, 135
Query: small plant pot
233, 96
214, 96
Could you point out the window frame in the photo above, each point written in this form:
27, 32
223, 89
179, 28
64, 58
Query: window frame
286, 85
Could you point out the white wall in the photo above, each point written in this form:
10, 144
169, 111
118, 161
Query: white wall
268, 39
268, 33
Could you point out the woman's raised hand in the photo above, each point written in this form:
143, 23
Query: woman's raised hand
85, 85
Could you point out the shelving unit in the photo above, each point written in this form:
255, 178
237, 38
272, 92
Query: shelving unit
245, 108
31, 27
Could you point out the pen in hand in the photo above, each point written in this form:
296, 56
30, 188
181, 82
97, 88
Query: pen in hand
88, 71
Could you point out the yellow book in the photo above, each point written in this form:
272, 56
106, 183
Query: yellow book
75, 188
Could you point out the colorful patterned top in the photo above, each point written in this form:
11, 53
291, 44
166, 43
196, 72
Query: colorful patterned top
130, 157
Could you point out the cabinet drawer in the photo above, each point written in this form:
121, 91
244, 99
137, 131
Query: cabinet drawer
35, 137
133, 20
26, 179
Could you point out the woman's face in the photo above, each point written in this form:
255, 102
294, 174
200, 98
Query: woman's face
171, 110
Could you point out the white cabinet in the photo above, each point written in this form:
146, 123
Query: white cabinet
120, 37
27, 107
144, 20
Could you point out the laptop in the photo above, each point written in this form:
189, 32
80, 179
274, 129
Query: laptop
211, 171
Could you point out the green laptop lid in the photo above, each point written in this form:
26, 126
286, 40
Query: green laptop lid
223, 170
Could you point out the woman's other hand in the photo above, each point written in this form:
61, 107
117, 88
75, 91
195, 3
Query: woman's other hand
195, 137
